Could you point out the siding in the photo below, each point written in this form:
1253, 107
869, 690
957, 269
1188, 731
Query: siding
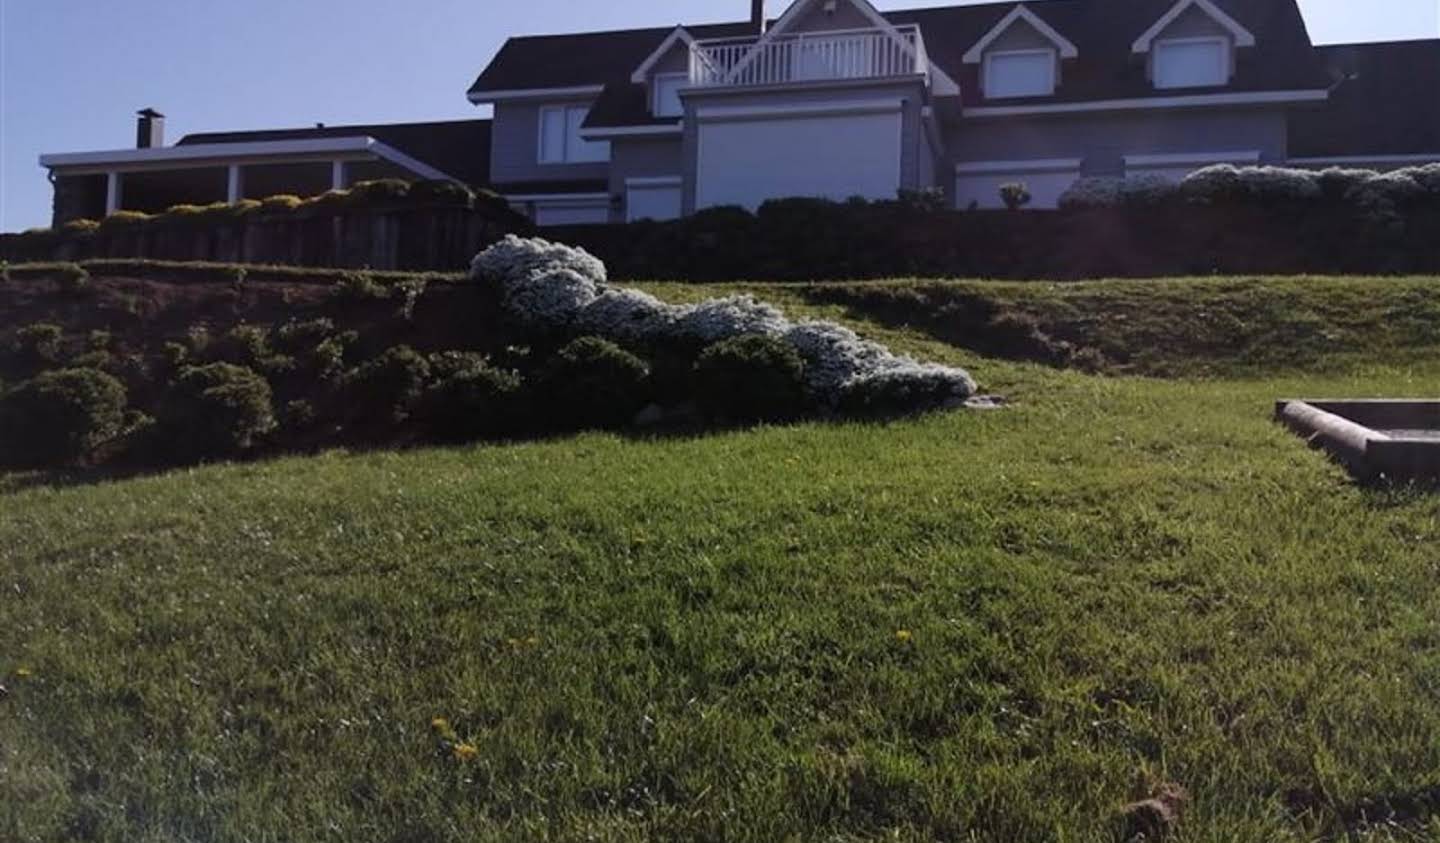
515, 148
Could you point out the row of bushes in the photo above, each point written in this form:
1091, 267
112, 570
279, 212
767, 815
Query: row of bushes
1366, 192
296, 386
386, 193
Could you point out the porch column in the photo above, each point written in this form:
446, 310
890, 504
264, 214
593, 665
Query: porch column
236, 190
337, 175
114, 192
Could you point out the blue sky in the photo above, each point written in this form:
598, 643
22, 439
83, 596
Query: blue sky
73, 72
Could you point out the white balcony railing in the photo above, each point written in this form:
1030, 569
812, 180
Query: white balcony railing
809, 57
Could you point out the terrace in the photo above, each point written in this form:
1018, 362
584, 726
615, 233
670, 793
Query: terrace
809, 57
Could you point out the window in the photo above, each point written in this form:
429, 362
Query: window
1020, 73
560, 141
1192, 62
666, 87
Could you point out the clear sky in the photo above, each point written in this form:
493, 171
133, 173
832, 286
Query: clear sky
73, 72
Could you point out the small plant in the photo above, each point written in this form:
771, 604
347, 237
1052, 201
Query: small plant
39, 344
123, 219
4, 272
295, 337
928, 200
197, 337
281, 202
389, 386
380, 190
750, 378
215, 410
410, 290
594, 382
99, 340
61, 416
72, 279
359, 286
81, 227
1015, 195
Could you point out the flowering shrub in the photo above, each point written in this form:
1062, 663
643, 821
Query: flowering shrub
553, 288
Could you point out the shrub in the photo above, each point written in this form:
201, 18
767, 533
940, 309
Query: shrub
469, 397
281, 202
81, 227
750, 378
1092, 192
1015, 195
388, 387
357, 287
61, 416
928, 200
4, 272
72, 279
215, 410
441, 192
593, 381
39, 343
379, 191
122, 219
295, 337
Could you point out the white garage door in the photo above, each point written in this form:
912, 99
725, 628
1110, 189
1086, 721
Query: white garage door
747, 158
652, 199
573, 211
979, 183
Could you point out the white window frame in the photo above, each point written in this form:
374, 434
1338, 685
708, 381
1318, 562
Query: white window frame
573, 142
655, 93
990, 72
1158, 52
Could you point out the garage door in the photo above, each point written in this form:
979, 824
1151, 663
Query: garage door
978, 183
745, 158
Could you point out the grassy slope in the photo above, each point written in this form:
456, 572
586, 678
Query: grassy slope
1115, 582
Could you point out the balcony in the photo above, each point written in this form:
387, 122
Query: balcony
809, 57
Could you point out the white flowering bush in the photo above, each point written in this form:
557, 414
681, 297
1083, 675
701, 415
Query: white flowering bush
555, 288
1225, 182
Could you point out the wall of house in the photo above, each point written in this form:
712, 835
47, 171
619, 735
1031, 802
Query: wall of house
515, 147
1103, 140
911, 91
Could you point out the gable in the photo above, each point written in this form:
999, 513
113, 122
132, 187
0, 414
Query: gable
1013, 28
1242, 37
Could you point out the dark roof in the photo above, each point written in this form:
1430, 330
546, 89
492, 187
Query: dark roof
1385, 103
624, 104
1103, 30
588, 58
458, 148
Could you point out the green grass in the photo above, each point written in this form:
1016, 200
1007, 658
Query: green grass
1114, 583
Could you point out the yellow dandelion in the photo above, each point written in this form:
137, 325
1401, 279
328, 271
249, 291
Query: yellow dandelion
465, 752
533, 641
440, 724
904, 636
23, 673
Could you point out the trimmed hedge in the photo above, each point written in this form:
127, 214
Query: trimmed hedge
61, 416
593, 382
215, 410
750, 378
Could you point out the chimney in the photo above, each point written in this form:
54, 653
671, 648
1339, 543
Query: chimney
150, 129
757, 16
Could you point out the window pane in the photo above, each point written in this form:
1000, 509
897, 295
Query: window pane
552, 135
1020, 75
667, 96
1190, 64
581, 150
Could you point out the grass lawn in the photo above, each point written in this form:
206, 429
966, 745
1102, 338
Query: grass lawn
968, 626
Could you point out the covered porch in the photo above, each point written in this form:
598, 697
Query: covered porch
94, 185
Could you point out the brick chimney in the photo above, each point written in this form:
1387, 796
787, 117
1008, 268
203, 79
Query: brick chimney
757, 16
150, 129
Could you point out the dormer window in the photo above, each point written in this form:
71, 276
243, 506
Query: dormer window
1019, 73
1192, 62
665, 94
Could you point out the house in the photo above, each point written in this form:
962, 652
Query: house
837, 99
